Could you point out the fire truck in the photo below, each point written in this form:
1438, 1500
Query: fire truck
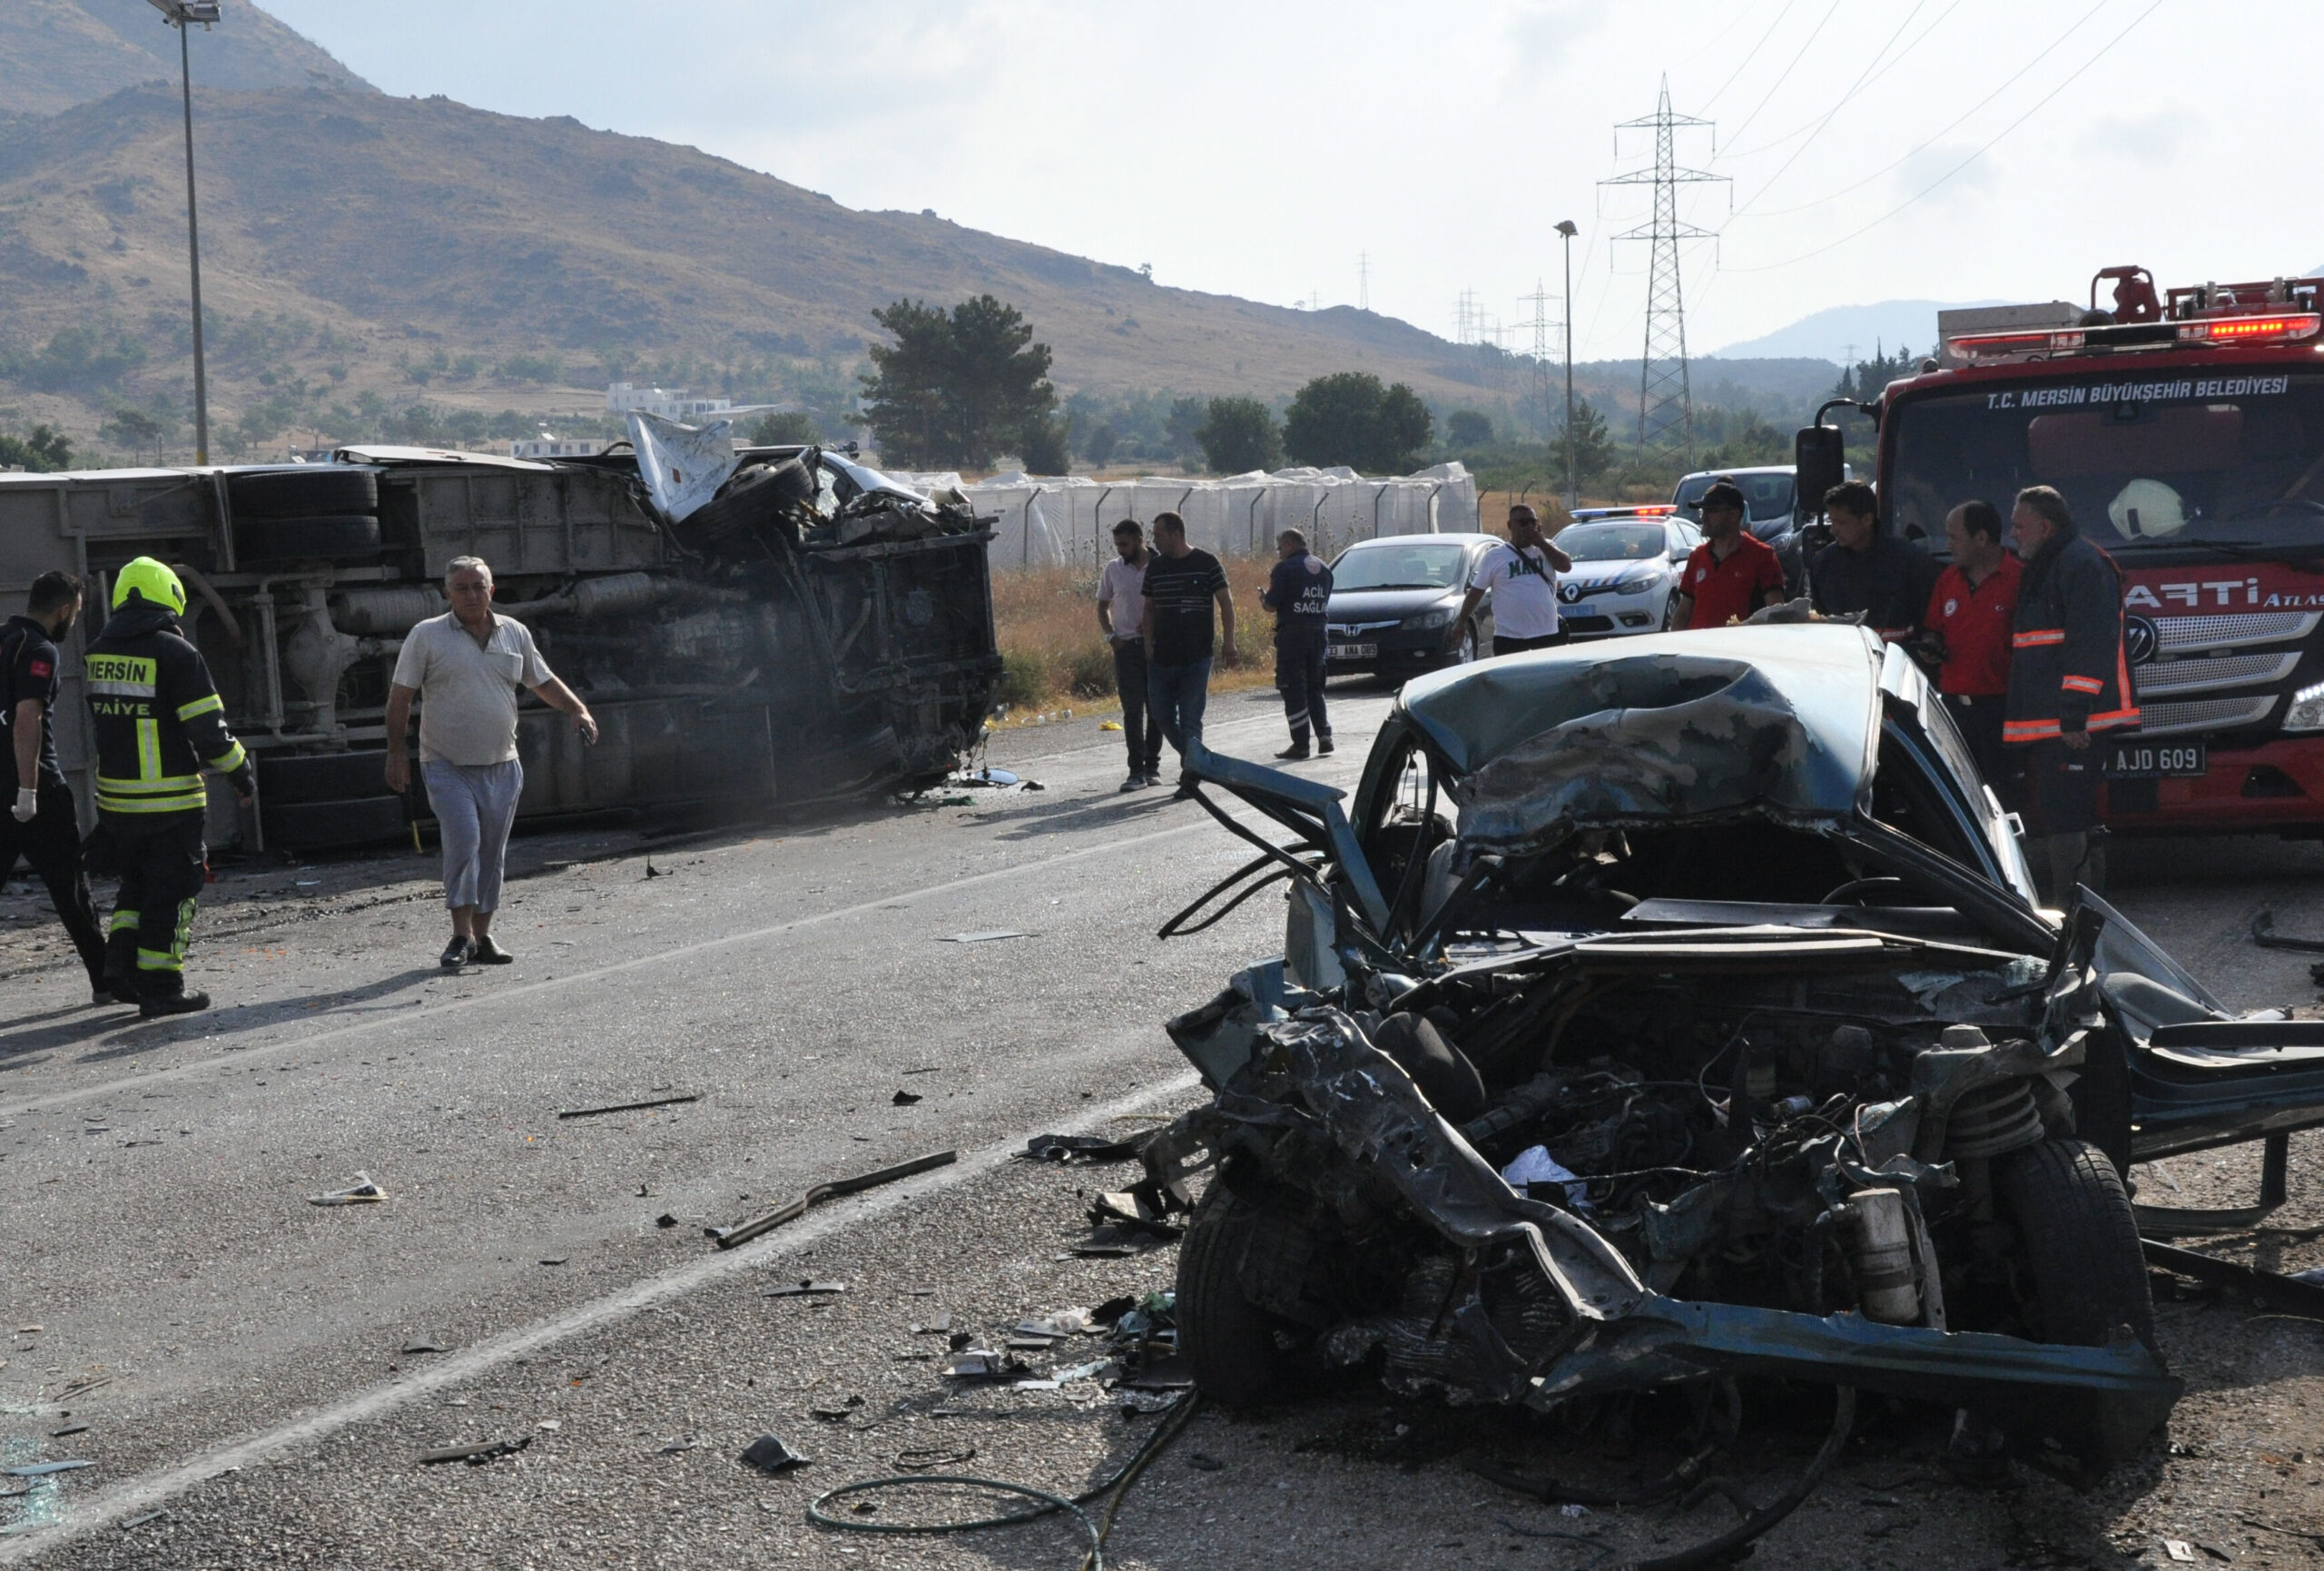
2186, 431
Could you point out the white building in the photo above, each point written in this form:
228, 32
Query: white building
546, 446
674, 403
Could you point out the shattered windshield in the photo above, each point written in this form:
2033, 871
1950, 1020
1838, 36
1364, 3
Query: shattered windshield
1612, 542
2152, 461
1431, 565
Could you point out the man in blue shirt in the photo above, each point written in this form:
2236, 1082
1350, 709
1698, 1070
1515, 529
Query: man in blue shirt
1299, 593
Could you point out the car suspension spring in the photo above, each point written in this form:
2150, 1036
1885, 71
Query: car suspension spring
1992, 1119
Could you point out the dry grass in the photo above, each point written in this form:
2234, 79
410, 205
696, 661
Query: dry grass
1046, 619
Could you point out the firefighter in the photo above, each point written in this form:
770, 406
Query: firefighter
159, 720
2069, 680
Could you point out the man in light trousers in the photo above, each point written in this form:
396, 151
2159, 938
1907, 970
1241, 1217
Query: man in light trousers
465, 667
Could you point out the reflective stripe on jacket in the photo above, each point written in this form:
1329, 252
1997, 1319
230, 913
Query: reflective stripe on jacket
157, 717
2067, 670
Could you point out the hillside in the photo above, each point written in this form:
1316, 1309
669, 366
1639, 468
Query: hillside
347, 235
54, 54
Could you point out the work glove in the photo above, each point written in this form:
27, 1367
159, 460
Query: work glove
27, 804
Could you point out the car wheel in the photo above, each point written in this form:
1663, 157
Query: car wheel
1230, 1341
303, 492
1464, 653
2081, 1242
1669, 612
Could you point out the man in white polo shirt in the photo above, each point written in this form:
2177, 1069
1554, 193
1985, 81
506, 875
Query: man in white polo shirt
1522, 577
465, 666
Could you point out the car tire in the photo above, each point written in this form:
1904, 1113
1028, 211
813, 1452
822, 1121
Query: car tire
329, 826
1230, 1341
1465, 654
307, 539
316, 491
2081, 1242
286, 779
1669, 613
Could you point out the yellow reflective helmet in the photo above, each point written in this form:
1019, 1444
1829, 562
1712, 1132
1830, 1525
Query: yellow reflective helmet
152, 582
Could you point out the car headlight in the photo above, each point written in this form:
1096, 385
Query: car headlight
1422, 621
2307, 711
1644, 576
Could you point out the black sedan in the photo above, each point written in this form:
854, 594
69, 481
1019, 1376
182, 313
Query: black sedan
1393, 598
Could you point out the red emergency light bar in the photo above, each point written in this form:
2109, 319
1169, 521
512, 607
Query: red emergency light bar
1994, 348
1655, 511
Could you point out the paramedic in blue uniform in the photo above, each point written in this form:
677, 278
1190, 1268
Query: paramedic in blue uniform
1299, 592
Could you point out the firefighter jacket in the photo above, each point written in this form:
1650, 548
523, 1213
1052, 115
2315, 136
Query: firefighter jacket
158, 720
2067, 671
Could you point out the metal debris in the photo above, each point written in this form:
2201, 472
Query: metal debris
475, 1453
629, 1106
425, 1345
994, 935
906, 1098
1065, 1147
769, 1455
361, 1193
2264, 934
42, 1470
804, 1290
742, 1232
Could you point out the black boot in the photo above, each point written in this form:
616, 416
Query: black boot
154, 1005
1295, 752
1324, 746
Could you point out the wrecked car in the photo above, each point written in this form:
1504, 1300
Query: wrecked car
1658, 1016
751, 627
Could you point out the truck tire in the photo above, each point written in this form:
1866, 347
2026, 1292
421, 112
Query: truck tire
306, 539
285, 780
307, 492
2082, 1243
327, 826
1230, 1341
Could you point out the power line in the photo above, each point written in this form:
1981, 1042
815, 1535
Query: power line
1816, 125
1762, 44
1841, 104
1787, 70
1973, 157
2054, 46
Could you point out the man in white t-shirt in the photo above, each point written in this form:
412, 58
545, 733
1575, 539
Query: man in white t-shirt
465, 666
1523, 577
1121, 602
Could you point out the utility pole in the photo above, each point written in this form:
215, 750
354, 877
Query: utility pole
1364, 280
1566, 232
181, 14
1666, 408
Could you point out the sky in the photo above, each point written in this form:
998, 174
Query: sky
1350, 152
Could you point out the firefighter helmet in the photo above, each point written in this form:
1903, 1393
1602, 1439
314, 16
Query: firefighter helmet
152, 582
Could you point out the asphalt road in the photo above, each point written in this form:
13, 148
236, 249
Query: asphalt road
238, 1355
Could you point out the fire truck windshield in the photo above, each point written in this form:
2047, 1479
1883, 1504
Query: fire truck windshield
2198, 460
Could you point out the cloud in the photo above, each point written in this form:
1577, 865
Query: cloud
2152, 139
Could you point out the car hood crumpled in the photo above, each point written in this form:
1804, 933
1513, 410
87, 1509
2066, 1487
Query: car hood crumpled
1691, 726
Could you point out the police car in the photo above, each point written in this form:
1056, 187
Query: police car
1626, 565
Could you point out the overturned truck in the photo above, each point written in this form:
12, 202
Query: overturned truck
772, 626
1658, 1018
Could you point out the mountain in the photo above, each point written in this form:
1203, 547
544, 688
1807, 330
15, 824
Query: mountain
1842, 331
348, 237
54, 54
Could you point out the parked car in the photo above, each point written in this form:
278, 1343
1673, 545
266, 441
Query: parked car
1393, 598
1774, 510
1661, 1014
1626, 569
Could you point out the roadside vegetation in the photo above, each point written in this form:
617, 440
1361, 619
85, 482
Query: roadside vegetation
1052, 654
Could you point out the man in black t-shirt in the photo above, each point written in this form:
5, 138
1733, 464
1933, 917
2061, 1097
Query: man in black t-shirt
41, 827
1182, 583
1888, 580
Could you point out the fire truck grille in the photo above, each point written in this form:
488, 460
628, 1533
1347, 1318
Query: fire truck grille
2203, 715
2198, 676
2172, 633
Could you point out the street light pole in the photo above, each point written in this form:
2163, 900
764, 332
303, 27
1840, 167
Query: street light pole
1572, 489
181, 14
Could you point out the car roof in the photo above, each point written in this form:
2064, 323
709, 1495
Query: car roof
1670, 726
1463, 538
1746, 470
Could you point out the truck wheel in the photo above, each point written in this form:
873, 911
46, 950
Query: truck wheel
2082, 1243
1230, 1341
285, 779
307, 539
324, 825
320, 488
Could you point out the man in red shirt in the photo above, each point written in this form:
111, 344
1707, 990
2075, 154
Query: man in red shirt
1968, 623
1732, 573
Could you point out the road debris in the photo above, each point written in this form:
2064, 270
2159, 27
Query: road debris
2264, 934
361, 1193
770, 1456
666, 1220
2304, 1293
832, 1411
1089, 1148
141, 1521
804, 1290
68, 1429
42, 1470
906, 1098
742, 1232
992, 937
1129, 1210
475, 1454
629, 1106
425, 1345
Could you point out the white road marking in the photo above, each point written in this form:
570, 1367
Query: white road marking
149, 1492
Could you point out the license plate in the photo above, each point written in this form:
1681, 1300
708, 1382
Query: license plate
1351, 651
2156, 761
